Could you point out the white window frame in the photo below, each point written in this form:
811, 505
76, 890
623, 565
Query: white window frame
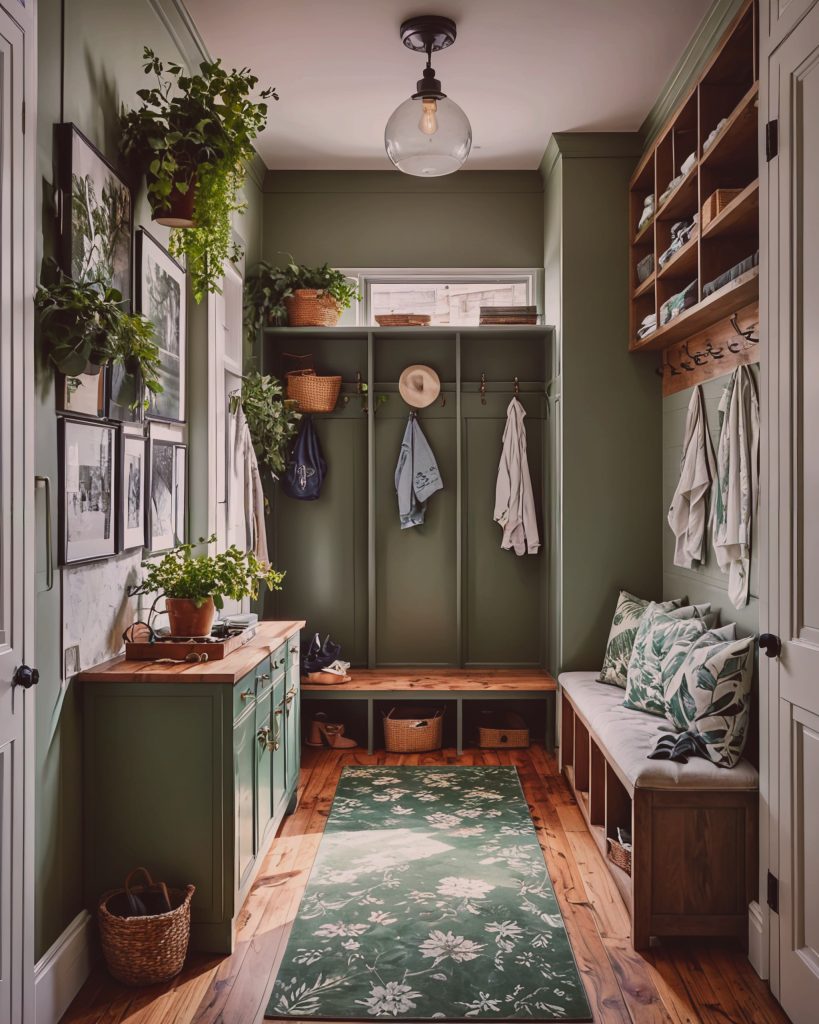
361, 313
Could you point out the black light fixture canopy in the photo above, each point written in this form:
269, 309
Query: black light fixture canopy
428, 33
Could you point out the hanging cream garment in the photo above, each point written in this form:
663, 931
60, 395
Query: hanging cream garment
737, 487
688, 514
514, 501
246, 521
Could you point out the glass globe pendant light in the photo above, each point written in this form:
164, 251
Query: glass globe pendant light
428, 135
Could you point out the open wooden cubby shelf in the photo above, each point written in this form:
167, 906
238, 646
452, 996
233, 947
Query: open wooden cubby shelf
727, 89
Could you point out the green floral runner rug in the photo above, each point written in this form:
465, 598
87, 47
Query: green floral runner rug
429, 899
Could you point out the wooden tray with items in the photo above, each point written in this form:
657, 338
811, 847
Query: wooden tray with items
402, 319
140, 646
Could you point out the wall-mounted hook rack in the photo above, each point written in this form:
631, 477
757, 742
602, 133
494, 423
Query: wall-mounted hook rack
483, 389
517, 387
713, 352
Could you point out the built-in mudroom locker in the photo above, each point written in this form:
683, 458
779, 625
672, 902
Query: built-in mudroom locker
443, 593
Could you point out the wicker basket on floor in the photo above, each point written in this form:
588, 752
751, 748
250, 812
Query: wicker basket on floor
146, 949
619, 855
716, 203
504, 729
308, 307
313, 393
413, 730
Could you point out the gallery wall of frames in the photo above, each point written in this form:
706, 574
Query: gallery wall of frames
123, 469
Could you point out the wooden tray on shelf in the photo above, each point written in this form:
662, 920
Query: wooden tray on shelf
179, 648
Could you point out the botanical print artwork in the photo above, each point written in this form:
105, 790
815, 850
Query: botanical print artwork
161, 299
163, 495
87, 491
429, 899
180, 480
133, 472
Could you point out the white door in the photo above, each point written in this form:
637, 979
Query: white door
794, 96
16, 495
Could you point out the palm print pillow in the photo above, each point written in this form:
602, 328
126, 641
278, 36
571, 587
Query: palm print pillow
657, 634
627, 616
709, 695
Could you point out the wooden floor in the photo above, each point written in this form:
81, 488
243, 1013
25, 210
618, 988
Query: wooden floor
687, 981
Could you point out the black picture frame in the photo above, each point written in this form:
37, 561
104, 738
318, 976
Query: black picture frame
132, 483
166, 495
160, 295
83, 395
84, 495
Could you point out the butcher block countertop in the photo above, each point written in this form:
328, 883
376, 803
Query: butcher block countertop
269, 636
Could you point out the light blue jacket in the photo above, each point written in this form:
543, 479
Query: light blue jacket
417, 476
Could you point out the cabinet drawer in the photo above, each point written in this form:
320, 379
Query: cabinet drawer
278, 663
264, 678
244, 694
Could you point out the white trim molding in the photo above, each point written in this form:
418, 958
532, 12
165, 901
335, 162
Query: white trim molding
63, 970
757, 940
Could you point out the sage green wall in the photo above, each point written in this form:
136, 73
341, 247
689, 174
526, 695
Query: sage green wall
389, 219
606, 426
84, 76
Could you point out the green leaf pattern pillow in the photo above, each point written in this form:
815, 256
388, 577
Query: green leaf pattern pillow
709, 694
657, 634
627, 616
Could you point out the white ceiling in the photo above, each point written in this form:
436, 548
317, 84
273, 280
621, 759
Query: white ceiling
521, 69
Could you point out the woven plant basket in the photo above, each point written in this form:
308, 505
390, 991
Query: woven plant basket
413, 730
716, 203
307, 307
145, 950
506, 729
619, 855
313, 393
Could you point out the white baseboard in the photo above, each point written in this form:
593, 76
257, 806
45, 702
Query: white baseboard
62, 971
757, 942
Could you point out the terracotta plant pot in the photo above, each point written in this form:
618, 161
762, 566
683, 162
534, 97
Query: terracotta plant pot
307, 307
179, 211
186, 619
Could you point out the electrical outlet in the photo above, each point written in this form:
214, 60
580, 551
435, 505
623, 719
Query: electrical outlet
71, 661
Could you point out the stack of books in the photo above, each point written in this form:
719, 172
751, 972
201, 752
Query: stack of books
508, 315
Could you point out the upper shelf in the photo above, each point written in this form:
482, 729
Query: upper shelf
502, 331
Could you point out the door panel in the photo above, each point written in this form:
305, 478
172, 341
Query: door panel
278, 727
244, 758
292, 737
264, 769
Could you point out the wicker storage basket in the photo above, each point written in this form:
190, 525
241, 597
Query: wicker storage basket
402, 320
313, 393
413, 730
619, 855
149, 949
307, 307
716, 203
504, 729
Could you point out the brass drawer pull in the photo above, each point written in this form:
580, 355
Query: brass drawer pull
245, 694
263, 736
291, 693
264, 675
294, 650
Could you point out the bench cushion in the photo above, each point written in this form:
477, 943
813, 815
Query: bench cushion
627, 737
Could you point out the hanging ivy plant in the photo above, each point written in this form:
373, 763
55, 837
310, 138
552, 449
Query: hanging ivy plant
86, 327
271, 418
269, 285
192, 137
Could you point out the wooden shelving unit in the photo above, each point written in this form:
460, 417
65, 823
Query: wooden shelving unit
727, 90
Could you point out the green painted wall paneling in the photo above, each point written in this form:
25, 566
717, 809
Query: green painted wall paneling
606, 403
388, 219
428, 595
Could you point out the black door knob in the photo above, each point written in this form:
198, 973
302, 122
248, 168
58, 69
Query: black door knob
25, 677
770, 644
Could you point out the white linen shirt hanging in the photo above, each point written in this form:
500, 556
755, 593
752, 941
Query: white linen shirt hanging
688, 514
737, 482
246, 521
514, 500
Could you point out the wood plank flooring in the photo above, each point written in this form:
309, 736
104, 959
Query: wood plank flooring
684, 982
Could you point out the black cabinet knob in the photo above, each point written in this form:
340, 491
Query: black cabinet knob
25, 677
770, 644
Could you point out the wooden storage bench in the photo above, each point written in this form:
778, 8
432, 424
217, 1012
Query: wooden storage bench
415, 684
693, 826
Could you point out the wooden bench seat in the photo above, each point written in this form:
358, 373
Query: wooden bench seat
458, 684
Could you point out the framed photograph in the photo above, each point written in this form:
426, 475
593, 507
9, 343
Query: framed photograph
160, 296
87, 490
83, 395
133, 474
181, 494
160, 534
96, 214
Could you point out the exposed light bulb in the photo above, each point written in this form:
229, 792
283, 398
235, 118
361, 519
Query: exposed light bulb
429, 122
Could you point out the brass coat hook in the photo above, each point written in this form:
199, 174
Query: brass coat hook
483, 389
715, 353
517, 387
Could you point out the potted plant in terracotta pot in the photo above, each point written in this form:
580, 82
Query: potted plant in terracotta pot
298, 295
86, 328
194, 586
192, 137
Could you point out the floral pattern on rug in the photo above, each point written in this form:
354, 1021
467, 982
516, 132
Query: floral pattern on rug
429, 899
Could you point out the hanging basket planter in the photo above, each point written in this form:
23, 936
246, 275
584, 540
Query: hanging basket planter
309, 307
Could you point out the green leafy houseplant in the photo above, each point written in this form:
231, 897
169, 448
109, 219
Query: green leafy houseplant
200, 583
271, 418
86, 328
268, 287
192, 136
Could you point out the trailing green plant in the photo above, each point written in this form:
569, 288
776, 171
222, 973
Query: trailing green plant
233, 574
271, 418
269, 285
195, 132
86, 327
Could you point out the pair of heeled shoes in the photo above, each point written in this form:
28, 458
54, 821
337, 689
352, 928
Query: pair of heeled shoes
324, 733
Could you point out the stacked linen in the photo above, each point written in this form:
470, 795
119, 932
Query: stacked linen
677, 303
730, 275
712, 135
648, 324
648, 211
681, 232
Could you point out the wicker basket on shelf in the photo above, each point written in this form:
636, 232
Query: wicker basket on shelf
413, 730
308, 307
619, 855
313, 393
145, 948
507, 729
716, 203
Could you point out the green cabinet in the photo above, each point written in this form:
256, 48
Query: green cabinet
190, 776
